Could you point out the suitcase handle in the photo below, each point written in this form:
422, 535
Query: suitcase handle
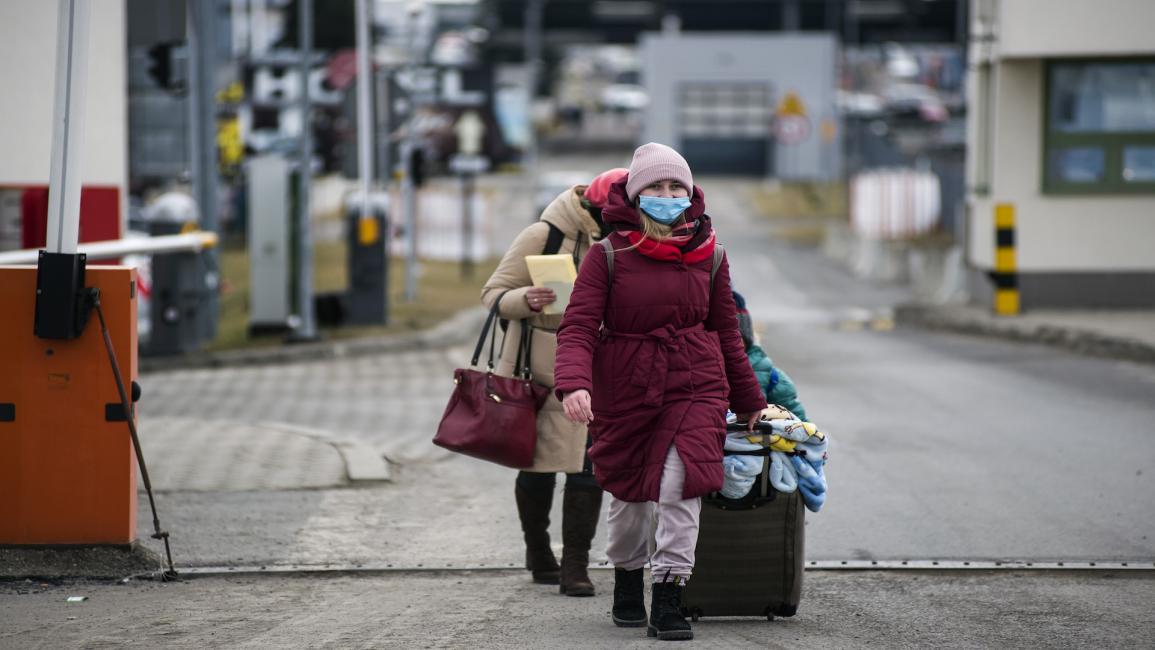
761, 426
762, 492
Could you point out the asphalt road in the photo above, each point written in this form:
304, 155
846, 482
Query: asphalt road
504, 610
943, 447
947, 446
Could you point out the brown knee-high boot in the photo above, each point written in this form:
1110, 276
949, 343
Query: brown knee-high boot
534, 500
581, 507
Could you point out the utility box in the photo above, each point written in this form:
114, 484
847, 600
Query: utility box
270, 222
366, 302
178, 283
67, 468
178, 295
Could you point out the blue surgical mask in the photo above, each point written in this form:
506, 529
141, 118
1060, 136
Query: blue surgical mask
664, 211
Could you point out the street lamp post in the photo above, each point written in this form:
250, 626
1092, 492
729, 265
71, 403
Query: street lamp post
202, 40
306, 326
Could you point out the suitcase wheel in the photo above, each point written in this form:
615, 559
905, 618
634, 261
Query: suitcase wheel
694, 613
786, 610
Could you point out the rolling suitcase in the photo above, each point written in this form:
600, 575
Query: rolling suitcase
750, 552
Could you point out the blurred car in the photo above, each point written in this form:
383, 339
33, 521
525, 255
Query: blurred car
900, 63
907, 100
624, 97
859, 104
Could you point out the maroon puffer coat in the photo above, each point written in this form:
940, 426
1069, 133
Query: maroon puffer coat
662, 369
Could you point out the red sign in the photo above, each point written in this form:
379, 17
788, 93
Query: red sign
791, 129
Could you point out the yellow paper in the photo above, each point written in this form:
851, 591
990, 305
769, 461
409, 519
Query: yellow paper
555, 272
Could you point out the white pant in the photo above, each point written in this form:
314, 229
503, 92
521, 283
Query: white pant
629, 527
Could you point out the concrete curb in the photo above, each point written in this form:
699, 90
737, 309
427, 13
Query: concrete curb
1074, 340
462, 327
77, 561
362, 462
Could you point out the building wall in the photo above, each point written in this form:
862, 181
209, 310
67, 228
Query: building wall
1072, 250
1045, 28
804, 64
27, 76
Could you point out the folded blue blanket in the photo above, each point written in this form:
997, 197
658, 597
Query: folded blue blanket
802, 468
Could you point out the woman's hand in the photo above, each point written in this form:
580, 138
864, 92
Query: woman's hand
577, 406
750, 419
538, 297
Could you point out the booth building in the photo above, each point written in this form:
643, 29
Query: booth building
27, 69
1061, 136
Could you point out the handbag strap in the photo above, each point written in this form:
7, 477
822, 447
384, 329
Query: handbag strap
489, 320
524, 352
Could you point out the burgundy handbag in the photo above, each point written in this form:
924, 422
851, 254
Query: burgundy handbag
491, 417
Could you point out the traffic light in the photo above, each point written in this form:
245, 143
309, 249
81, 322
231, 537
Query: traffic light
415, 166
160, 64
166, 63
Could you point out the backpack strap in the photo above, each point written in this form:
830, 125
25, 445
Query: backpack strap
609, 250
554, 241
719, 252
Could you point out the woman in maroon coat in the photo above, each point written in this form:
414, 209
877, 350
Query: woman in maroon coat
651, 356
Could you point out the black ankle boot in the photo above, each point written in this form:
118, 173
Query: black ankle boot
534, 501
581, 507
666, 620
629, 598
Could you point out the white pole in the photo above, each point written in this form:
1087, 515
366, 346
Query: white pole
364, 104
68, 126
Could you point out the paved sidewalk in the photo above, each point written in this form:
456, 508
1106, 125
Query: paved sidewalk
1127, 335
194, 454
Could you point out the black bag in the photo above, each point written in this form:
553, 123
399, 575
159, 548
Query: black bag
750, 552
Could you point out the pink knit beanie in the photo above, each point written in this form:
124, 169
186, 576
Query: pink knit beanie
656, 162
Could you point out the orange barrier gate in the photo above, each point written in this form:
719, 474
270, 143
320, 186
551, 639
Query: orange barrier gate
67, 467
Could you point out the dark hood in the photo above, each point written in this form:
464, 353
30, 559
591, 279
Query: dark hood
620, 213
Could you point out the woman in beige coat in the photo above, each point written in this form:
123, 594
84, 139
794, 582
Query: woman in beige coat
561, 444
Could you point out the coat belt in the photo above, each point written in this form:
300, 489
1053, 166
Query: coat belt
653, 361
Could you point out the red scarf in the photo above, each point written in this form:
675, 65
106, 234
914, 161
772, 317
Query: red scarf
669, 251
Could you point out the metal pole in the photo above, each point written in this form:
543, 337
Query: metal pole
850, 24
306, 327
962, 26
364, 110
534, 16
68, 126
467, 225
202, 147
791, 16
408, 149
409, 200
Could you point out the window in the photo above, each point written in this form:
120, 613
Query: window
1100, 127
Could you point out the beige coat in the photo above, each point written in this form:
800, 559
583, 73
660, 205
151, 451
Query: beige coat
560, 443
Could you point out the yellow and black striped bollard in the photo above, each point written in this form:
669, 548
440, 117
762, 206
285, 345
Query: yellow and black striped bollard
1005, 275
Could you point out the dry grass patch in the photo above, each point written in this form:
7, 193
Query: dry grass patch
441, 292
